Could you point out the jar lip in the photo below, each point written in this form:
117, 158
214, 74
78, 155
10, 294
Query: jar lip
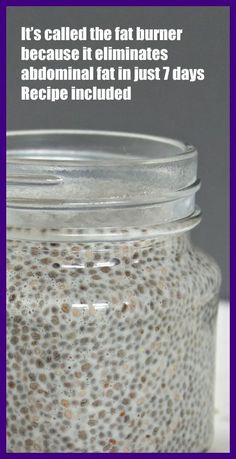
91, 178
186, 151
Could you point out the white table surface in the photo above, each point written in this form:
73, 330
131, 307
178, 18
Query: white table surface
221, 439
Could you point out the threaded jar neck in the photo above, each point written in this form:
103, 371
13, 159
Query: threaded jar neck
96, 182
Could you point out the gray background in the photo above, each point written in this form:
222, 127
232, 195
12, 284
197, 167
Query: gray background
197, 112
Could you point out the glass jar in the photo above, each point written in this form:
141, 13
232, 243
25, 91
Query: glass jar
111, 309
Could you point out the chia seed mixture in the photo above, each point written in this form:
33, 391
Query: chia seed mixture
110, 345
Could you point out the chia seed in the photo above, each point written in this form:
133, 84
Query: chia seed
149, 325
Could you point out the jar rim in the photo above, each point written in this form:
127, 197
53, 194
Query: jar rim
90, 178
183, 150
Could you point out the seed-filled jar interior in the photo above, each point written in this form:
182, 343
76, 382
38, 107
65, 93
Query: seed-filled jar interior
111, 309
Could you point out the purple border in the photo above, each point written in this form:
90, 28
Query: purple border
3, 229
168, 3
117, 3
